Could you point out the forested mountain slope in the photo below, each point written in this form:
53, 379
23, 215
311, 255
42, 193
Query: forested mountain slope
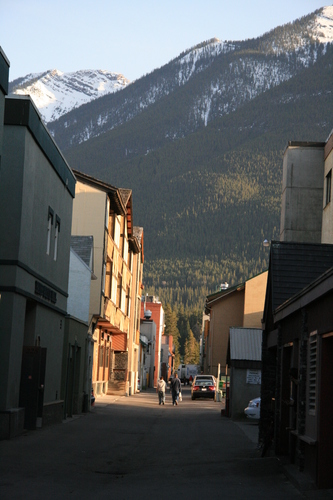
207, 201
200, 142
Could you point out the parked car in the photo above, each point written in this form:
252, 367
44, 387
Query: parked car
253, 409
203, 388
206, 378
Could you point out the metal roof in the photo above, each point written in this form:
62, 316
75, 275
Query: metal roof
245, 343
84, 246
293, 266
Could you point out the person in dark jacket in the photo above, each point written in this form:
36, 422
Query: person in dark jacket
175, 389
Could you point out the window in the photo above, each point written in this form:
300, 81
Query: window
122, 236
103, 278
128, 299
107, 213
328, 187
119, 289
130, 262
101, 357
114, 290
117, 231
125, 256
56, 236
123, 301
312, 372
108, 279
49, 228
114, 284
111, 227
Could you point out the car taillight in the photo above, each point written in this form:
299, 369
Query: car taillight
195, 387
211, 387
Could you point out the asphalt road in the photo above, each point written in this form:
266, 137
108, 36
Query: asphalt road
132, 448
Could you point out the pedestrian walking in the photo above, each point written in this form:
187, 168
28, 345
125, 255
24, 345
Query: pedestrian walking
175, 389
160, 389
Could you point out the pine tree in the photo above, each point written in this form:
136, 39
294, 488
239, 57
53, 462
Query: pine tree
192, 355
171, 329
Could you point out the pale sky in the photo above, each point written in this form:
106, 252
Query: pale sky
131, 37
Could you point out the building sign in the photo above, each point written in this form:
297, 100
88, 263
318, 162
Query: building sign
253, 377
45, 292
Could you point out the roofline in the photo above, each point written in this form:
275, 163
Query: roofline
314, 290
4, 71
22, 111
93, 276
304, 144
135, 243
112, 191
225, 293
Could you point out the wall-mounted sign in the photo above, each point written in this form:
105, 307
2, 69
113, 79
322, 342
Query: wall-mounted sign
45, 292
253, 377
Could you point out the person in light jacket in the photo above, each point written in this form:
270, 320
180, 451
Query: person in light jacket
160, 389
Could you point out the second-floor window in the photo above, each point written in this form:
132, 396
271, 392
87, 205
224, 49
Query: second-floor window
56, 237
49, 230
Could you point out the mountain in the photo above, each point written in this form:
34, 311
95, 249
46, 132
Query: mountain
210, 80
56, 93
200, 142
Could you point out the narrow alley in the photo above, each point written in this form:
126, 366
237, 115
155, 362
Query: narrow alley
132, 448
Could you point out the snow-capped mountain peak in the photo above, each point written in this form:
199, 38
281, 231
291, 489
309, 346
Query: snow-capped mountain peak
323, 25
55, 93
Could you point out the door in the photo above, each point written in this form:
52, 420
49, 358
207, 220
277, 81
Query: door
32, 384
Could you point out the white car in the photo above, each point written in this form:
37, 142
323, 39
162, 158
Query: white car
253, 409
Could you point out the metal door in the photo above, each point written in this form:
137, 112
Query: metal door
32, 384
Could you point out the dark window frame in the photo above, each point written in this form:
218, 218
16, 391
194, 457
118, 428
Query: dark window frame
328, 190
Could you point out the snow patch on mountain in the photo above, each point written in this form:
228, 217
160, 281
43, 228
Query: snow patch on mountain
200, 57
56, 93
240, 71
323, 26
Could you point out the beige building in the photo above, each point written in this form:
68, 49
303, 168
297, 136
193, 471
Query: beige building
105, 212
238, 306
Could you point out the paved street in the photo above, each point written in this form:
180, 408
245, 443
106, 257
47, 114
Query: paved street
132, 448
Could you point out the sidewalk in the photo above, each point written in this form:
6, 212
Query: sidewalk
300, 480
